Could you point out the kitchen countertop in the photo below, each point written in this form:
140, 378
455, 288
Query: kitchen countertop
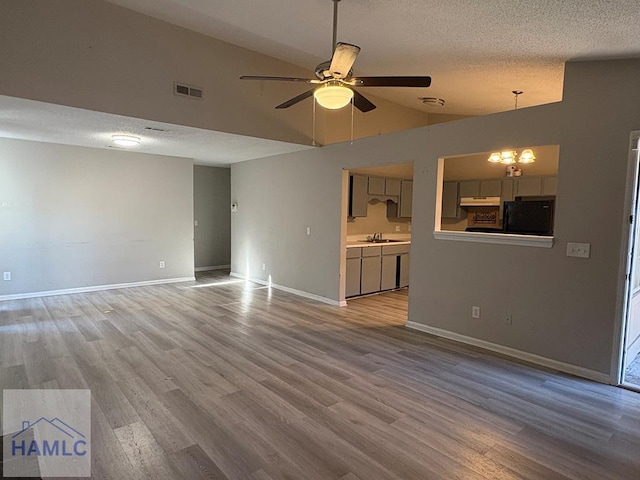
362, 243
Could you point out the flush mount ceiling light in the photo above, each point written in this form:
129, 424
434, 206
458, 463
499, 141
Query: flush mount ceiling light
333, 96
125, 140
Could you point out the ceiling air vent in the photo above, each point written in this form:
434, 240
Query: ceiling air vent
187, 90
154, 129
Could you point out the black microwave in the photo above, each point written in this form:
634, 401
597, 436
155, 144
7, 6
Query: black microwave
531, 217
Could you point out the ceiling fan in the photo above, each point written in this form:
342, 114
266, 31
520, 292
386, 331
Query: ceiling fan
335, 80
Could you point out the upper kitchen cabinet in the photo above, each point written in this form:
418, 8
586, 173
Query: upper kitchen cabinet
490, 188
527, 186
392, 186
535, 186
450, 200
402, 209
469, 188
358, 196
406, 198
549, 185
384, 186
376, 186
480, 188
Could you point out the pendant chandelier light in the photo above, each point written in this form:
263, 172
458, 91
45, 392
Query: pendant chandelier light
509, 157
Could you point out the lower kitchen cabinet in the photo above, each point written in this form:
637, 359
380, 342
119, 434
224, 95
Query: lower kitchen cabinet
370, 275
375, 269
403, 278
353, 277
388, 273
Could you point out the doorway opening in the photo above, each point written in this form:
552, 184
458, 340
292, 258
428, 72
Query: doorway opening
629, 358
376, 237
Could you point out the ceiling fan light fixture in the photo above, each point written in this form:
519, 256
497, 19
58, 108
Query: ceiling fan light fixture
125, 140
333, 97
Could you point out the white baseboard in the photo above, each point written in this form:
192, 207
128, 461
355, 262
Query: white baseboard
300, 293
67, 291
512, 352
214, 267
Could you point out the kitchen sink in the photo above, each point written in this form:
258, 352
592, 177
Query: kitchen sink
383, 240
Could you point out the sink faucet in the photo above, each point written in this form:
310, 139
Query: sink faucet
377, 236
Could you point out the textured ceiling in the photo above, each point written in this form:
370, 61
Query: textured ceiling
44, 122
476, 51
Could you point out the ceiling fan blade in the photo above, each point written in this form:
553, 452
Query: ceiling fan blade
362, 103
297, 99
390, 81
343, 59
281, 79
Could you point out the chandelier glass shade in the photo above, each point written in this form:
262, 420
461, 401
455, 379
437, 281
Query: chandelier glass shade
509, 157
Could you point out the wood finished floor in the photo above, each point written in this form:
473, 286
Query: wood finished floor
221, 379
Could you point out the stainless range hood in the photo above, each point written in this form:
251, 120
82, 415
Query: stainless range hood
480, 202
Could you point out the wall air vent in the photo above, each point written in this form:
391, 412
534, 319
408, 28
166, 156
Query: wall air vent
187, 90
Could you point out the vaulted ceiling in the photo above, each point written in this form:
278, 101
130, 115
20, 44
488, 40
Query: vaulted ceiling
477, 51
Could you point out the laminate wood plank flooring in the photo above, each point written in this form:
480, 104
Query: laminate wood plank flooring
225, 379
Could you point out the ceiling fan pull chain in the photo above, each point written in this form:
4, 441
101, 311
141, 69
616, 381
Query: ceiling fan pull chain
351, 120
313, 122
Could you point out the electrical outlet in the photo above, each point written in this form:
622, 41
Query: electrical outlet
195, 223
397, 228
6, 276
475, 312
264, 267
162, 264
308, 230
509, 320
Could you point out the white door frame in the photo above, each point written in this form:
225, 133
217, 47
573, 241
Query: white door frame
626, 259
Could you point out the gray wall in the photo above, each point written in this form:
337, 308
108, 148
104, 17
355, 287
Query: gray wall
74, 217
211, 209
564, 309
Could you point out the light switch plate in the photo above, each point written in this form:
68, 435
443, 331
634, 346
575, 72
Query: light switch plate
579, 250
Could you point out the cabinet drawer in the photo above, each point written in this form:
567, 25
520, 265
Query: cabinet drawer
395, 249
354, 252
371, 251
